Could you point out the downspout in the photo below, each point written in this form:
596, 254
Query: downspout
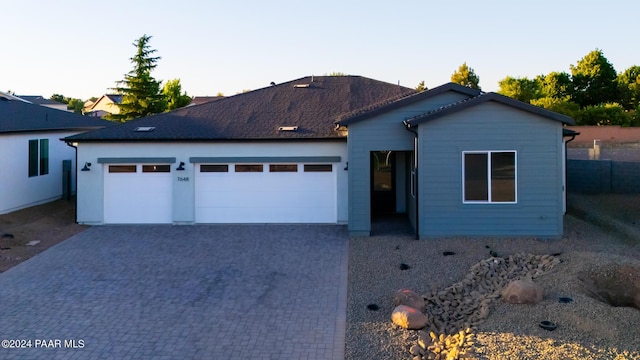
564, 143
407, 127
75, 210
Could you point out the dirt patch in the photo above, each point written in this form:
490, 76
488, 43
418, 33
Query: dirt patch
49, 224
613, 284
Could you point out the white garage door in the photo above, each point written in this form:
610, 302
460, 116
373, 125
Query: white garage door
266, 193
137, 194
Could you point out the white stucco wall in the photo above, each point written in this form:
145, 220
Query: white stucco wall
18, 190
91, 183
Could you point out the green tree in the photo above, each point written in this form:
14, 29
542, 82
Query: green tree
72, 104
555, 85
604, 114
59, 98
521, 89
421, 86
629, 87
76, 105
594, 80
562, 106
141, 92
466, 76
174, 96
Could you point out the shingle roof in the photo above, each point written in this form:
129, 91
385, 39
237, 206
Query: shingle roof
116, 98
483, 98
38, 99
199, 100
401, 101
18, 116
312, 104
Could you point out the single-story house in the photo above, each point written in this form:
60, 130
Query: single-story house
334, 149
32, 155
107, 104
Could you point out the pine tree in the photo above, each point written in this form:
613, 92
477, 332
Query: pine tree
141, 92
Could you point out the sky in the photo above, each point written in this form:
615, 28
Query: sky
80, 48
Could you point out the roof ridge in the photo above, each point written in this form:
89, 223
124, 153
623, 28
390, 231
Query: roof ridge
375, 106
489, 96
405, 99
445, 107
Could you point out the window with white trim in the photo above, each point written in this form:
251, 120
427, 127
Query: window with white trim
489, 177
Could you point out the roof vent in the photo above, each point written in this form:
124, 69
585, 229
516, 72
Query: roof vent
301, 85
144, 128
288, 128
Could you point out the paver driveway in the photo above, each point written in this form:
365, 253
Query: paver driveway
181, 292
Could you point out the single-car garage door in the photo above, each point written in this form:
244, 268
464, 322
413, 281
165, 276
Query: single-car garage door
266, 193
137, 194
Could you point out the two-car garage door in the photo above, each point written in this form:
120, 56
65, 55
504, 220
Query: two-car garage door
265, 193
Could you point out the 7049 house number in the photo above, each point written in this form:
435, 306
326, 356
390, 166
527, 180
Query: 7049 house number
180, 178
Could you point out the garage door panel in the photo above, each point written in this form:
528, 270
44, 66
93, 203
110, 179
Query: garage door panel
137, 197
266, 197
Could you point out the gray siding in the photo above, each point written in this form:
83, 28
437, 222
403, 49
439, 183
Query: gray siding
383, 132
491, 126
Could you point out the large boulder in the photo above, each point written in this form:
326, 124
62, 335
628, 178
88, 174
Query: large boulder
409, 298
522, 291
408, 317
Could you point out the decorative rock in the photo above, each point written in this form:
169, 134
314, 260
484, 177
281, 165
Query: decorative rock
522, 292
408, 317
416, 350
409, 298
468, 302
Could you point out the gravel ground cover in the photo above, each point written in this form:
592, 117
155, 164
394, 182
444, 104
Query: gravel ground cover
587, 328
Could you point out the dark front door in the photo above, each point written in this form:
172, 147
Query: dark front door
383, 182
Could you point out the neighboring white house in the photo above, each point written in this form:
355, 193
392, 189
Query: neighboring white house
31, 153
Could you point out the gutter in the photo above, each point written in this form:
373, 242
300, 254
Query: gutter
408, 127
